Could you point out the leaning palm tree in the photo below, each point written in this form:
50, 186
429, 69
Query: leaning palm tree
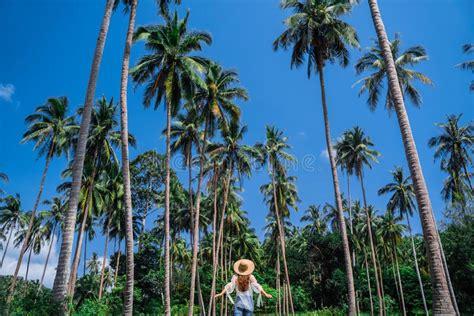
468, 65
131, 8
453, 147
442, 298
10, 216
374, 83
62, 273
402, 201
51, 129
317, 30
355, 152
54, 219
170, 73
274, 154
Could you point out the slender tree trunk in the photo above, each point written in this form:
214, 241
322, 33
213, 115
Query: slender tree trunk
337, 194
195, 231
62, 274
102, 272
350, 218
379, 271
395, 280
51, 242
400, 285
24, 246
442, 303
415, 259
127, 197
28, 262
117, 264
368, 284
372, 248
278, 287
201, 299
282, 240
8, 243
85, 254
214, 248
167, 213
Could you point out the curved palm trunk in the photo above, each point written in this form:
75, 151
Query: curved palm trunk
28, 262
84, 263
51, 242
102, 272
128, 300
6, 247
62, 274
337, 194
282, 242
420, 282
400, 285
372, 250
117, 264
442, 302
195, 230
24, 246
167, 213
278, 288
368, 284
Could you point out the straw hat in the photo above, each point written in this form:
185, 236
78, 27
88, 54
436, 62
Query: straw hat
244, 267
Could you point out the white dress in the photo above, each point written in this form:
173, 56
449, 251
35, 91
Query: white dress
244, 299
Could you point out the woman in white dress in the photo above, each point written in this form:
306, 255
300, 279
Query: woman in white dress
245, 284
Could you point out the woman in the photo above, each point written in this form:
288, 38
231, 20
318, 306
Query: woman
244, 283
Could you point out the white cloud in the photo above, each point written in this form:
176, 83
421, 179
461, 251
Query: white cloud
36, 264
6, 92
324, 154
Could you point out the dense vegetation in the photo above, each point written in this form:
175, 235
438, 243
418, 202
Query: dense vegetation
347, 256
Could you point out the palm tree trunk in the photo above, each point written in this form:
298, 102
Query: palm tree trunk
372, 249
62, 274
214, 248
51, 242
379, 271
195, 230
167, 213
24, 246
400, 285
102, 272
85, 253
420, 282
337, 194
395, 280
6, 247
368, 284
442, 303
278, 287
282, 240
117, 264
200, 297
28, 262
128, 300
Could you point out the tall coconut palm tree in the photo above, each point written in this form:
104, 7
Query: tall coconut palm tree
374, 83
317, 30
402, 201
54, 219
131, 8
442, 299
468, 65
454, 148
316, 225
62, 273
355, 152
170, 72
51, 129
10, 216
236, 160
274, 154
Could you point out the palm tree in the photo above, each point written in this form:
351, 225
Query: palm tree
54, 219
313, 216
62, 273
402, 200
453, 148
273, 154
51, 129
235, 159
316, 30
468, 65
131, 6
442, 300
354, 151
374, 83
215, 104
169, 72
10, 216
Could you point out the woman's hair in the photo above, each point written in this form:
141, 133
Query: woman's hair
243, 282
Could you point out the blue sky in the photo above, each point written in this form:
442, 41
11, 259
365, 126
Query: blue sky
48, 47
